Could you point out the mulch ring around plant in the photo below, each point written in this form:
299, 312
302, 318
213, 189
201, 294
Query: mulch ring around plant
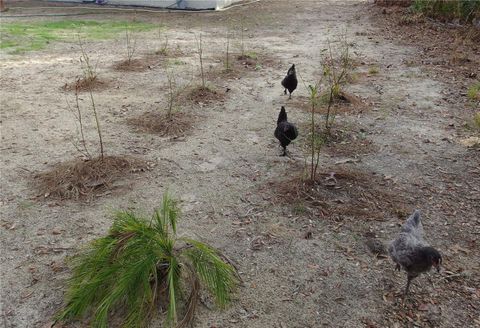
83, 179
257, 61
137, 64
239, 64
344, 103
345, 142
339, 193
205, 95
85, 84
157, 122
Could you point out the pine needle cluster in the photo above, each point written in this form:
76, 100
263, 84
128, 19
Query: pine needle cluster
141, 268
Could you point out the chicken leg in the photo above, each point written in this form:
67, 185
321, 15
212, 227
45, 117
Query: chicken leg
407, 288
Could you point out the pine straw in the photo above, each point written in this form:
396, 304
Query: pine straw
343, 104
259, 61
354, 194
179, 124
137, 64
339, 141
204, 95
80, 179
85, 84
240, 65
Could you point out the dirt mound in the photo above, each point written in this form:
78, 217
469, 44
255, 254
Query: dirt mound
342, 104
136, 65
178, 124
340, 193
348, 143
85, 84
80, 179
205, 95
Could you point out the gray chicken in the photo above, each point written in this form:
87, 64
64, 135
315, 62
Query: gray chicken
410, 251
290, 81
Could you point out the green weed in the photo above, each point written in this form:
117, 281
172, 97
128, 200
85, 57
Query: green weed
373, 70
465, 10
473, 92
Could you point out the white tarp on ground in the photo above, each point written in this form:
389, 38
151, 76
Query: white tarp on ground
172, 4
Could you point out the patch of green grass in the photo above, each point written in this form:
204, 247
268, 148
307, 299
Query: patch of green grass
299, 209
177, 62
476, 120
474, 91
373, 70
25, 205
324, 98
252, 55
23, 37
448, 9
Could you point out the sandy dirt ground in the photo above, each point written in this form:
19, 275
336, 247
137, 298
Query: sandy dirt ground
402, 150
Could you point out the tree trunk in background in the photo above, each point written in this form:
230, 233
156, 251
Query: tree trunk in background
402, 3
2, 6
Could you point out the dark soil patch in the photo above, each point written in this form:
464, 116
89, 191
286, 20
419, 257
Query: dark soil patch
178, 124
341, 141
172, 53
345, 193
137, 64
256, 61
248, 62
83, 179
345, 103
221, 73
239, 64
204, 95
345, 143
86, 84
443, 45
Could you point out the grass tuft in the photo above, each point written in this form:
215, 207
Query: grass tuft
473, 92
465, 10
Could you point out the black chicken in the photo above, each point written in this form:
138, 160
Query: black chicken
410, 251
290, 81
285, 131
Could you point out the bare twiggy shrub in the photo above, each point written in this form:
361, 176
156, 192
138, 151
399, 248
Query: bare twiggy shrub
242, 36
200, 57
163, 37
228, 38
80, 145
172, 89
89, 70
97, 123
130, 43
316, 140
